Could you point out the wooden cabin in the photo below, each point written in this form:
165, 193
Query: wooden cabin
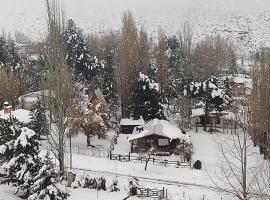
158, 137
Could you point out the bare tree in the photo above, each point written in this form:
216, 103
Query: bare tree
237, 169
11, 86
60, 96
128, 60
214, 55
162, 63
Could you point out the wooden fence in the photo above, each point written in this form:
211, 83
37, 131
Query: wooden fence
164, 162
153, 193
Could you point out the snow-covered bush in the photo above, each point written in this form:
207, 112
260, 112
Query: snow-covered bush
114, 187
47, 184
133, 186
92, 183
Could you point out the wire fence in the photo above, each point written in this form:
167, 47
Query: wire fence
87, 151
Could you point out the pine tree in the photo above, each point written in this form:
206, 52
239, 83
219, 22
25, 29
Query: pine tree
13, 58
38, 117
46, 183
3, 51
24, 162
85, 67
146, 100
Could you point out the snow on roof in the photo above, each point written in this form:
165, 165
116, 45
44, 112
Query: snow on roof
197, 112
243, 79
20, 114
129, 121
159, 127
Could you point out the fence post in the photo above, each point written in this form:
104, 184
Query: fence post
163, 193
128, 156
119, 157
153, 160
178, 164
110, 155
147, 192
165, 162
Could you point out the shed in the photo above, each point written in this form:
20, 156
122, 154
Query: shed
127, 125
27, 100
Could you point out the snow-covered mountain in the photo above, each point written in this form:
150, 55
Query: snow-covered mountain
246, 21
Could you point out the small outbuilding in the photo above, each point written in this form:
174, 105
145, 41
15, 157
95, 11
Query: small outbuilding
158, 137
128, 124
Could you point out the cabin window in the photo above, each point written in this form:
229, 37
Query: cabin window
150, 141
163, 142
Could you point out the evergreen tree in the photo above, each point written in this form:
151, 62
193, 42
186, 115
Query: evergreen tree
46, 183
3, 51
214, 97
146, 100
24, 163
13, 58
9, 54
38, 117
85, 67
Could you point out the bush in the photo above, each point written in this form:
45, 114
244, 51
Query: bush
197, 165
91, 183
114, 187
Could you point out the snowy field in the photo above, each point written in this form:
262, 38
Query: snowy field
181, 183
244, 21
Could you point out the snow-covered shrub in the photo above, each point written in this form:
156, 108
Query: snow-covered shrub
101, 184
47, 184
114, 187
92, 183
133, 186
197, 165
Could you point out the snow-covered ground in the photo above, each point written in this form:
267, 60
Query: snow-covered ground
181, 183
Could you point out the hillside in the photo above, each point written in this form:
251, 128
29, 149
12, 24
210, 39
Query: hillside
245, 21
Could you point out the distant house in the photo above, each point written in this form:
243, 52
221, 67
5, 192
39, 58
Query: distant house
158, 137
97, 102
218, 119
127, 125
27, 100
242, 85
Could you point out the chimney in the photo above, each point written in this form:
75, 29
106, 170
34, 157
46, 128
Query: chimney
7, 108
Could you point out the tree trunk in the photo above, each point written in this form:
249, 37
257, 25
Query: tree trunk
88, 140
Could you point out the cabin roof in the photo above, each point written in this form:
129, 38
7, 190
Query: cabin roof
159, 127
